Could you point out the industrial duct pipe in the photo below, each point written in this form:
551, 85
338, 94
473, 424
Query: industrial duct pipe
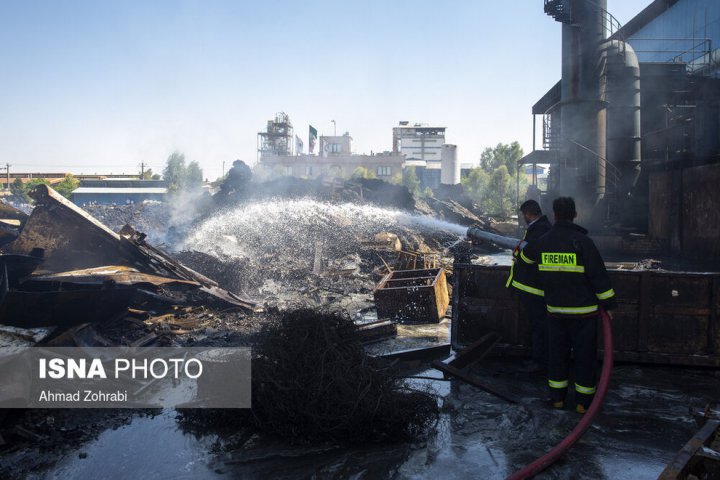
620, 90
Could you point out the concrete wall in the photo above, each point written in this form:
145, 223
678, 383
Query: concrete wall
385, 167
335, 145
427, 148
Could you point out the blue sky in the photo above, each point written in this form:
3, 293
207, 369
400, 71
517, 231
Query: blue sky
100, 86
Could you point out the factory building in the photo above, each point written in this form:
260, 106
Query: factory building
384, 166
335, 159
277, 139
632, 129
418, 146
422, 146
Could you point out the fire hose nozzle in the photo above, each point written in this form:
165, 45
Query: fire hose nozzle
478, 235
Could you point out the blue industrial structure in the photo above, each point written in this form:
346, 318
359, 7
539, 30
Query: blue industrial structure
632, 129
684, 31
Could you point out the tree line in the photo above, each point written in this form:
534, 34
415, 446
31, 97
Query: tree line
497, 183
179, 175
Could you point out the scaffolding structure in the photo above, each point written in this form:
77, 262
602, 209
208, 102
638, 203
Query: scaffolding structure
277, 140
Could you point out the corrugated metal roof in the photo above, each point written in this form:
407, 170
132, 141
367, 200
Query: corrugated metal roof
647, 15
550, 99
120, 190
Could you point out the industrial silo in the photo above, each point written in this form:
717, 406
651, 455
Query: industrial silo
449, 167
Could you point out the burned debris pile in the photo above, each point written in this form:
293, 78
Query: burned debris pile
64, 270
312, 381
309, 243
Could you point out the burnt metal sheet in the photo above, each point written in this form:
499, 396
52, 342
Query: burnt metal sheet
117, 274
375, 331
688, 460
662, 317
19, 267
11, 220
700, 218
451, 371
11, 213
72, 239
63, 308
475, 352
482, 304
418, 354
412, 296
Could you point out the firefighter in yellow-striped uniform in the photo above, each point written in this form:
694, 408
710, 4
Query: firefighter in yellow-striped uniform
576, 284
525, 280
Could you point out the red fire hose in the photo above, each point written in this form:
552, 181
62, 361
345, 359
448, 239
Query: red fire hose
559, 450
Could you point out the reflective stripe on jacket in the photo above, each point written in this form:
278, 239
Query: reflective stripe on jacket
525, 277
572, 272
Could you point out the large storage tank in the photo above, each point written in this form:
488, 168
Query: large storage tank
449, 167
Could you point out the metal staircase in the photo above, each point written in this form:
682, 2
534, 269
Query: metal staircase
554, 140
556, 9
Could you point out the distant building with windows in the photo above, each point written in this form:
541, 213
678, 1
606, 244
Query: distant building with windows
384, 166
418, 146
421, 145
335, 159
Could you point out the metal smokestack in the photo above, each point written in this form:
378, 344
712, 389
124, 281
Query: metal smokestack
583, 148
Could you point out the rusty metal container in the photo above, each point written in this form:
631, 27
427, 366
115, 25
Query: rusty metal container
413, 296
662, 317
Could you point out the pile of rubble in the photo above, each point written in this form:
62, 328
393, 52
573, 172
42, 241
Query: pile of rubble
294, 242
66, 272
72, 278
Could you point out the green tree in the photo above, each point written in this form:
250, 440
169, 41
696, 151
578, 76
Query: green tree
410, 180
149, 175
20, 189
67, 185
498, 202
502, 154
180, 176
193, 176
476, 184
497, 183
174, 171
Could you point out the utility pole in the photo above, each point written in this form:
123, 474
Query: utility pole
142, 170
334, 128
7, 170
